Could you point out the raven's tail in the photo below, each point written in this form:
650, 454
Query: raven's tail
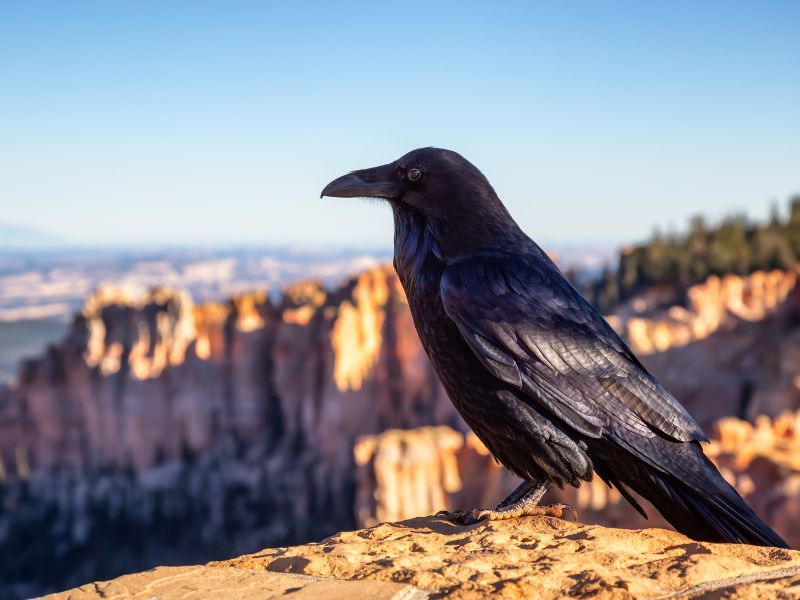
699, 503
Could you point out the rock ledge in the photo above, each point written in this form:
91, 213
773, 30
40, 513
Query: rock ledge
525, 558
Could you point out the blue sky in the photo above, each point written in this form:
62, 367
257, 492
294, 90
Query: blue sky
219, 122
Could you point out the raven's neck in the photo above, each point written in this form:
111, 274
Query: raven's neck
426, 243
417, 256
476, 228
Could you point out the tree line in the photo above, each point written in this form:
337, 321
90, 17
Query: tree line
735, 245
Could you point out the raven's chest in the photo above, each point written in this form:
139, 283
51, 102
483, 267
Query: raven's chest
438, 334
457, 366
421, 281
420, 268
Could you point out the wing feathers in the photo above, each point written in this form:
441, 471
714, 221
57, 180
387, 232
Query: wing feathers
530, 328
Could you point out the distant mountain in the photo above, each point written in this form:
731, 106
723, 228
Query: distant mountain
23, 236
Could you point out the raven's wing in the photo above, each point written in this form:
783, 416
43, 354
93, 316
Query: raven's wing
530, 328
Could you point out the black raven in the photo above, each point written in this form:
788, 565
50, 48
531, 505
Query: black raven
536, 372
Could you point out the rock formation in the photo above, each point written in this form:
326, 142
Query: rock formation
525, 558
159, 432
733, 349
406, 472
651, 327
762, 461
194, 432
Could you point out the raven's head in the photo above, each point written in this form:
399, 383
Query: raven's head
441, 186
428, 180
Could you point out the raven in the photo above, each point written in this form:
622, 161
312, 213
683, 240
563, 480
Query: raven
536, 372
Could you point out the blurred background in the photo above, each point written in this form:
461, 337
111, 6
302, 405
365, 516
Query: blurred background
201, 358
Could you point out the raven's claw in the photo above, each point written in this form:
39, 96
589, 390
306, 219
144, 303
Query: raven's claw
460, 517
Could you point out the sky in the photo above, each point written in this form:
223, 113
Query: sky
218, 123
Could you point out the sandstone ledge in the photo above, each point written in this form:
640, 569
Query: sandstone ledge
166, 583
527, 558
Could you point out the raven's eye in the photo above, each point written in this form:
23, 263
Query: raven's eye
414, 174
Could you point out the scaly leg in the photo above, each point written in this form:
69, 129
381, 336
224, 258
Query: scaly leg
522, 502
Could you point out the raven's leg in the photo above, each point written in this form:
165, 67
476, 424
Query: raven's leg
522, 490
522, 502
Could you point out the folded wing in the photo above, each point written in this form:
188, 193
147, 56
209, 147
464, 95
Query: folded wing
530, 328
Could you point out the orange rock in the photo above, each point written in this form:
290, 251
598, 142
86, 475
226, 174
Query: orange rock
523, 558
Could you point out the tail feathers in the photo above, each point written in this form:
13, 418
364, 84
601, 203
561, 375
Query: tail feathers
692, 496
716, 514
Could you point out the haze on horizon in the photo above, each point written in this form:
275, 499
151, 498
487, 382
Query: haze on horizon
185, 123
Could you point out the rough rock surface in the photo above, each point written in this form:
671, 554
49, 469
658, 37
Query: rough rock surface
523, 558
222, 583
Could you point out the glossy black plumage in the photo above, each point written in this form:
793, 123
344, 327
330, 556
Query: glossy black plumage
533, 368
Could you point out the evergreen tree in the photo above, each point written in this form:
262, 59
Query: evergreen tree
734, 246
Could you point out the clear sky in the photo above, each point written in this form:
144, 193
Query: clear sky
220, 122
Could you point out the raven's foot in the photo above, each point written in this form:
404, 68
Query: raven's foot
522, 502
470, 517
521, 510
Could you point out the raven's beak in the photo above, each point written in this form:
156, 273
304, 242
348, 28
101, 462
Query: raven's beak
378, 182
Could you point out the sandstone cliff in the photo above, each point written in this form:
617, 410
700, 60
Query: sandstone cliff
719, 302
732, 349
206, 430
525, 558
216, 429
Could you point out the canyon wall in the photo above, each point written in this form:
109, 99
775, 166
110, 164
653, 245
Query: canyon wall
160, 432
732, 349
196, 432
